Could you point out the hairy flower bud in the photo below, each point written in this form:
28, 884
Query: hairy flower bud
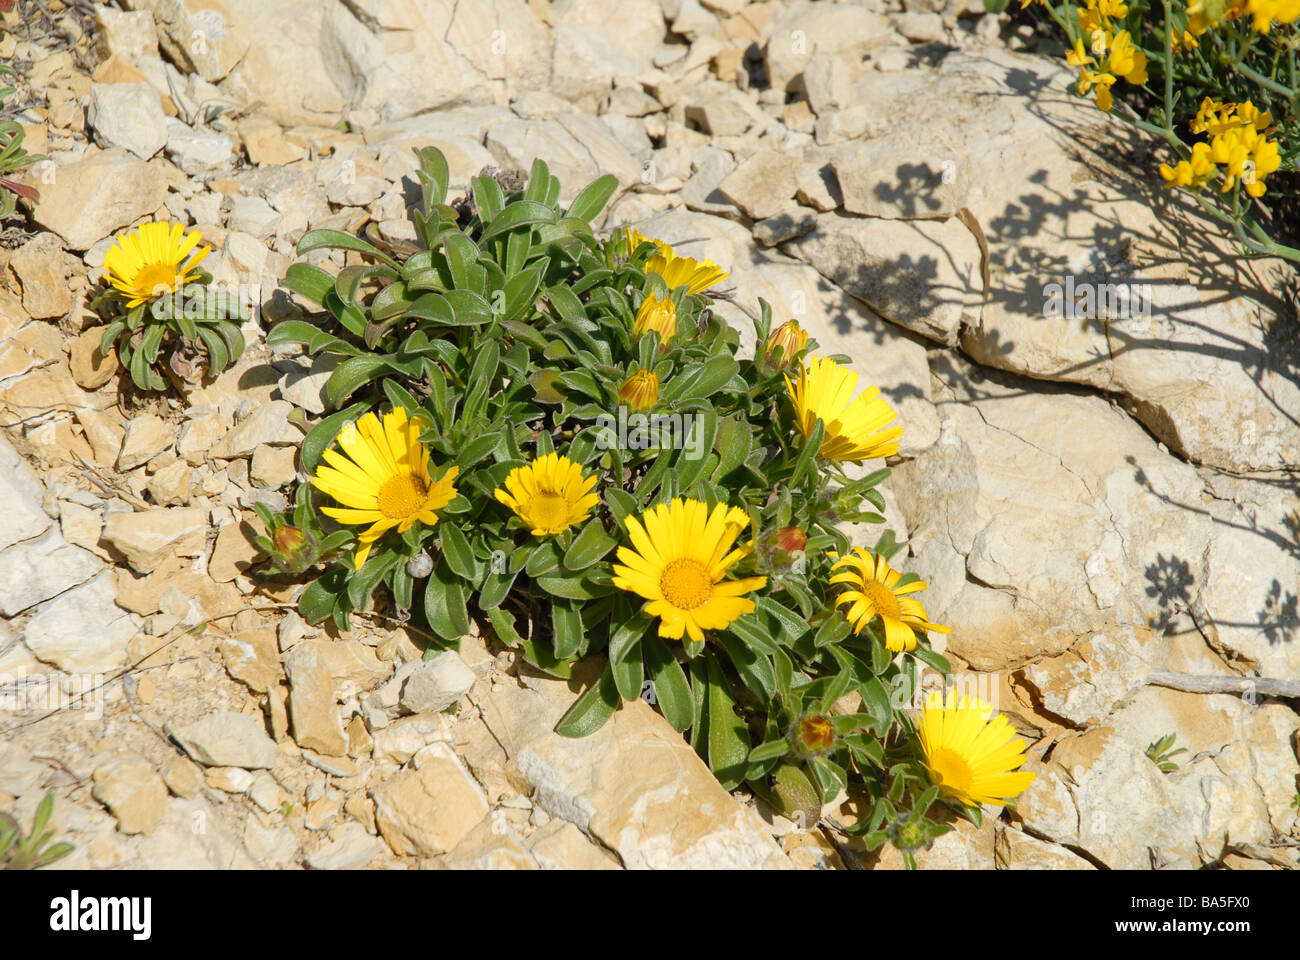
791, 539
657, 315
289, 540
813, 735
790, 338
640, 391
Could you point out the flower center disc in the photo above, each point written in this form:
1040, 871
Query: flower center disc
401, 497
156, 277
686, 584
882, 598
954, 772
549, 511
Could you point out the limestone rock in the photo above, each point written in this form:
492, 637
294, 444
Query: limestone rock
1019, 851
127, 115
82, 630
148, 537
901, 179
312, 711
806, 30
226, 739
429, 808
41, 271
91, 198
144, 439
434, 685
133, 792
233, 552
763, 184
1085, 683
90, 368
22, 517
37, 570
351, 849
197, 151
266, 424
919, 274
674, 814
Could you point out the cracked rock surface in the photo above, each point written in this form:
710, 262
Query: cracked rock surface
1094, 487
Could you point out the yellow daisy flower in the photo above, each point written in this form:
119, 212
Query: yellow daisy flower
151, 260
970, 754
657, 315
855, 429
384, 480
696, 275
681, 554
549, 495
874, 592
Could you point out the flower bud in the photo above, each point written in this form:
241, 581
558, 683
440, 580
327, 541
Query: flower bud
813, 735
908, 834
791, 539
640, 391
289, 540
657, 315
790, 338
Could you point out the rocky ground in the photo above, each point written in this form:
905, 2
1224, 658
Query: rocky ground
1093, 501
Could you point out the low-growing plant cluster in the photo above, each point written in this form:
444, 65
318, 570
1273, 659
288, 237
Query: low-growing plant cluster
167, 326
551, 434
33, 849
13, 158
1217, 81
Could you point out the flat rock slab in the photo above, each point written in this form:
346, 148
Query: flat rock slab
673, 814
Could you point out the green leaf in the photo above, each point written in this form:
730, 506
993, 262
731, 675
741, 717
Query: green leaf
592, 198
323, 434
457, 551
337, 239
572, 587
590, 545
311, 282
936, 660
809, 452
621, 503
670, 691
546, 558
521, 213
218, 352
875, 701
444, 603
700, 382
539, 656
350, 375
625, 648
748, 629
773, 749
488, 197
754, 669
320, 598
734, 443
434, 176
566, 626
362, 583
591, 710
728, 735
